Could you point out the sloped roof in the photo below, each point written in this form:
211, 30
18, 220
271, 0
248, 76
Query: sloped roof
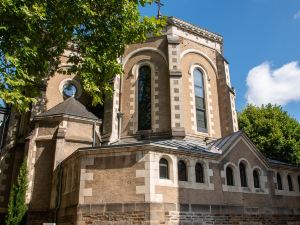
224, 143
70, 107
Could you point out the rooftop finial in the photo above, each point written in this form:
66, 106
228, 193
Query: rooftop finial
159, 5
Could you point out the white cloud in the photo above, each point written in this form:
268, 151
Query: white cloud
297, 15
277, 86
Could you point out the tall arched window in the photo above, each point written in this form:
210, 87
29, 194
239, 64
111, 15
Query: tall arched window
243, 175
182, 173
256, 179
200, 100
229, 176
299, 182
199, 173
279, 182
290, 183
144, 98
163, 169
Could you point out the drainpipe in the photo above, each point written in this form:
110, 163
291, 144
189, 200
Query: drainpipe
94, 134
58, 188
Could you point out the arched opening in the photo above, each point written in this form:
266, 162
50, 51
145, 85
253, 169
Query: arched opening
229, 176
279, 182
243, 175
199, 173
182, 172
144, 98
200, 100
163, 169
256, 179
299, 183
290, 183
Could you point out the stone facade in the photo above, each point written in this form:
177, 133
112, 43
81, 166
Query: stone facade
87, 169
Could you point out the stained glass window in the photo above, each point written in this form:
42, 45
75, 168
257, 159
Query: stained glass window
256, 179
163, 169
199, 100
199, 173
243, 175
279, 182
144, 98
182, 173
229, 176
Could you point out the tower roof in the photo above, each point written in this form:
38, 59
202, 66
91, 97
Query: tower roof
70, 107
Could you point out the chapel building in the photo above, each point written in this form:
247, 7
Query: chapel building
164, 149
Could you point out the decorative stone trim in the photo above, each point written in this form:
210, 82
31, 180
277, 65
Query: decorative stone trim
116, 109
84, 176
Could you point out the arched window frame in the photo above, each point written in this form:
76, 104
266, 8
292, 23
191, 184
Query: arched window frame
135, 71
256, 178
230, 177
193, 67
182, 176
290, 182
200, 174
164, 164
243, 174
279, 181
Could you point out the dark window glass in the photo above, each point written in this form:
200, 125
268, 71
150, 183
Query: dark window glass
182, 173
279, 182
144, 98
199, 100
199, 173
229, 176
243, 175
299, 182
163, 169
256, 179
290, 182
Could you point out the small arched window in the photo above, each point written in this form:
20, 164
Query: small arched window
279, 182
199, 173
229, 176
256, 179
200, 100
290, 183
243, 175
182, 173
144, 98
163, 169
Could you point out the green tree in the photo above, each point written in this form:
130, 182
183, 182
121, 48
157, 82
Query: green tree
275, 133
17, 207
34, 34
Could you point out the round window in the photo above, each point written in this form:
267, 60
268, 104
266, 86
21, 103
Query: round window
69, 90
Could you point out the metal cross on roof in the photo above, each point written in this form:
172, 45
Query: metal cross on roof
159, 5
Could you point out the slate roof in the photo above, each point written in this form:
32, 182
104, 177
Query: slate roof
224, 143
70, 107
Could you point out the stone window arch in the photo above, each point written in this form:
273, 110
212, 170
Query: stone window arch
182, 171
290, 182
229, 176
256, 178
279, 182
199, 173
243, 174
164, 172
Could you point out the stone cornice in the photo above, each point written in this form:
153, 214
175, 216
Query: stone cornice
195, 30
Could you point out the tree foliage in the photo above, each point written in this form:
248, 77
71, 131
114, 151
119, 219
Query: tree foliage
17, 207
34, 34
273, 131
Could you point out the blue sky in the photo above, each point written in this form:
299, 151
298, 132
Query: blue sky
261, 43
